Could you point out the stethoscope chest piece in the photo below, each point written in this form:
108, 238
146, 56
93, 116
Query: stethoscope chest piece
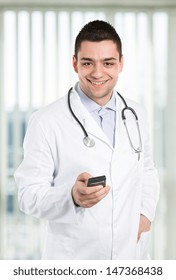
88, 142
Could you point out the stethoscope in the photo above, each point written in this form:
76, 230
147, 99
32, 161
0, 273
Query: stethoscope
89, 142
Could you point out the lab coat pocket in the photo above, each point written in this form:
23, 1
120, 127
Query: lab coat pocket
143, 246
57, 245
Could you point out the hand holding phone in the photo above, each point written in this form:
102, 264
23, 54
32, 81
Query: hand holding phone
95, 181
85, 197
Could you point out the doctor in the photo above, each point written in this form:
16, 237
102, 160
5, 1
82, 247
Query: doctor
111, 222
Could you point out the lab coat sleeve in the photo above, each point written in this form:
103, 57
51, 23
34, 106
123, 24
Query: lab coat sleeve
34, 178
150, 190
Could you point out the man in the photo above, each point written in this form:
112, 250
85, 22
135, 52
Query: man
83, 222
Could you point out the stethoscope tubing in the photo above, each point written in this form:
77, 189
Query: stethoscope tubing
90, 142
73, 114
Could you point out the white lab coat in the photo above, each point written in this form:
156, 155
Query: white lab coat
54, 155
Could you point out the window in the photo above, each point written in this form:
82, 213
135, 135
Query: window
37, 50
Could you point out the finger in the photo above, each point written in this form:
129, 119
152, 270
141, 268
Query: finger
90, 190
92, 199
83, 176
99, 192
92, 202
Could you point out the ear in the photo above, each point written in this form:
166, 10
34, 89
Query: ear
75, 64
121, 64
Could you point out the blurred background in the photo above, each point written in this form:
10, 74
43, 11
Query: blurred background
36, 47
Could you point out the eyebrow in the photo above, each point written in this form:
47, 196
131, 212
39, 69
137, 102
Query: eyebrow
105, 59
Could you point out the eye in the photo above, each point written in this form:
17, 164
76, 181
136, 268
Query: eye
86, 64
109, 64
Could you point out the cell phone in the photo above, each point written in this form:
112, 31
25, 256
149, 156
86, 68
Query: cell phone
95, 181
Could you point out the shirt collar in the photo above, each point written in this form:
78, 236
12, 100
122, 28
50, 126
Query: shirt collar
92, 105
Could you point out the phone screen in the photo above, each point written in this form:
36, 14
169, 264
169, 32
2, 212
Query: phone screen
95, 181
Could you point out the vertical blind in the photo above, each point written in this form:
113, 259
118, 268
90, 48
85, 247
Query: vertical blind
36, 68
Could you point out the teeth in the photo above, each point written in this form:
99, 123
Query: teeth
98, 83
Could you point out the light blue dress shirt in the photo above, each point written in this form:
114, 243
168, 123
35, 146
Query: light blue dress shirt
105, 115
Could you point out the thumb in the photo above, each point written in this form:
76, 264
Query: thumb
83, 177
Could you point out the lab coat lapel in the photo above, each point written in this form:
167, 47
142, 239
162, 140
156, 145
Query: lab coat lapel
86, 119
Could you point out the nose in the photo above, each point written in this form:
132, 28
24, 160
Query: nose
97, 71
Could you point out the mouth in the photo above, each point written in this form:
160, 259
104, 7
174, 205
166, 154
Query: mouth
97, 83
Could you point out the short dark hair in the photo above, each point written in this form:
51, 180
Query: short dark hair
96, 31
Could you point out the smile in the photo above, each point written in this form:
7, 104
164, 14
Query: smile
97, 83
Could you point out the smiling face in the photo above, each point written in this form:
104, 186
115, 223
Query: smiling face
98, 66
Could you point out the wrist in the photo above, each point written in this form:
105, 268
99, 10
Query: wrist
76, 204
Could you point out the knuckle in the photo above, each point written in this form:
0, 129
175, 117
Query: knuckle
96, 195
89, 205
84, 204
